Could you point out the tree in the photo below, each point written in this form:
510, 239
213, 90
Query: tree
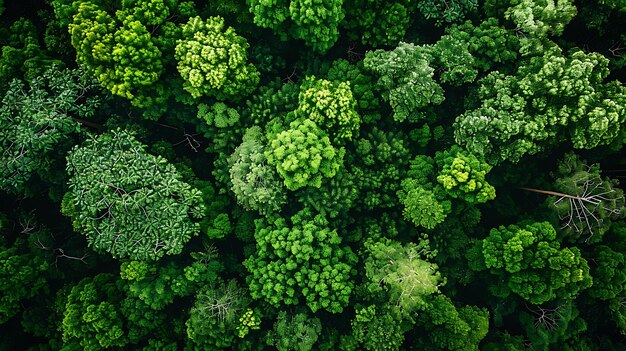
378, 164
301, 260
127, 202
541, 17
38, 126
303, 155
21, 277
214, 317
407, 78
377, 329
255, 183
315, 22
421, 206
377, 22
447, 327
489, 43
212, 60
298, 332
447, 11
402, 272
158, 285
553, 98
118, 51
92, 316
462, 175
22, 55
531, 261
331, 106
585, 202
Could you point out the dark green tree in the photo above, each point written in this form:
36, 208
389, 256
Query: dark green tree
127, 202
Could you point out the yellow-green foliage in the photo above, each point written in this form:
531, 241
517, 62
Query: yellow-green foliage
212, 60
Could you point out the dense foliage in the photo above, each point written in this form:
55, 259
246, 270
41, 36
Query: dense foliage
348, 175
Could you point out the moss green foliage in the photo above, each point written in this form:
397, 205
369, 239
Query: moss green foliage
297, 332
37, 126
540, 17
402, 272
301, 261
92, 317
315, 22
377, 22
533, 264
21, 276
127, 202
378, 164
23, 56
489, 43
376, 329
330, 106
448, 327
212, 60
332, 175
118, 50
406, 76
303, 155
552, 98
255, 183
462, 175
447, 11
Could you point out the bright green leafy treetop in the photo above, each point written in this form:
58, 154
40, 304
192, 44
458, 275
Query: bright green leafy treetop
426, 194
448, 327
331, 106
532, 263
304, 260
540, 17
303, 155
119, 51
212, 60
462, 175
127, 202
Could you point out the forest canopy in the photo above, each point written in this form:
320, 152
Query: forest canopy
348, 175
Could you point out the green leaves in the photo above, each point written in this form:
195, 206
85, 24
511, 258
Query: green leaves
127, 202
533, 264
403, 273
331, 106
37, 126
301, 260
255, 183
315, 22
297, 332
406, 75
553, 98
462, 175
303, 155
212, 60
118, 51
